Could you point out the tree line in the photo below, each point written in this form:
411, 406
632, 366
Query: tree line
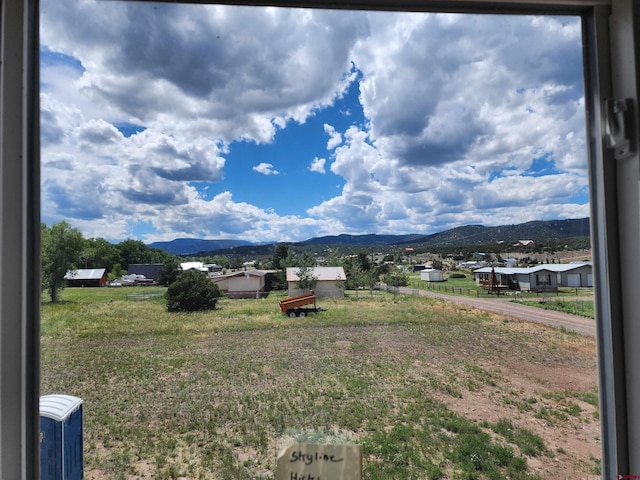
64, 248
360, 270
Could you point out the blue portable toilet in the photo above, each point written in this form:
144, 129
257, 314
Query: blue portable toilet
61, 442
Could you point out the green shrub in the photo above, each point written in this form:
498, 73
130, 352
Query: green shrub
457, 275
396, 279
191, 292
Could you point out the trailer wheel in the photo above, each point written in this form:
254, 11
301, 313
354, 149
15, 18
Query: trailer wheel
302, 314
292, 314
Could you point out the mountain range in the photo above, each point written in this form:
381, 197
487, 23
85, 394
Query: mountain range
466, 235
185, 246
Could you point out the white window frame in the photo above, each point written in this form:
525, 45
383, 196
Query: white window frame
612, 57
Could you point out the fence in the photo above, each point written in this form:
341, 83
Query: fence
146, 295
257, 294
437, 287
141, 297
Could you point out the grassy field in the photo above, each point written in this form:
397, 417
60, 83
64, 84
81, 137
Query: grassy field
429, 391
584, 308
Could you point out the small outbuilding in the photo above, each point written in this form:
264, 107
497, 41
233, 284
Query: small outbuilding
86, 277
330, 281
431, 275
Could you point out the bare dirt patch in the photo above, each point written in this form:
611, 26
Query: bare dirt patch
573, 440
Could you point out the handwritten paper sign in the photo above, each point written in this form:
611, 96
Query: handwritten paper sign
310, 461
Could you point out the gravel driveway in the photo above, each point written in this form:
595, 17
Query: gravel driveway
503, 306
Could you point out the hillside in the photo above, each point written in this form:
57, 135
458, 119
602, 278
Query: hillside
536, 230
468, 235
185, 246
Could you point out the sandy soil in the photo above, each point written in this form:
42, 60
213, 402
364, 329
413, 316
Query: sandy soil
573, 440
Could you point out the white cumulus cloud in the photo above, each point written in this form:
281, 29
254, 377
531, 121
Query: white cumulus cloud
317, 165
265, 169
463, 119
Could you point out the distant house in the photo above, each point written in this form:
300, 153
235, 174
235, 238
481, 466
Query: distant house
145, 271
510, 262
213, 267
330, 281
539, 278
471, 264
86, 277
417, 268
525, 244
193, 266
243, 284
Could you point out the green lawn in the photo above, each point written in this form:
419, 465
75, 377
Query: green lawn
216, 394
584, 308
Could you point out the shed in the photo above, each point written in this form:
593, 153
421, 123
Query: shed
432, 275
86, 277
330, 281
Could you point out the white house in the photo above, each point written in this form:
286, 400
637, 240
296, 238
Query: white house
539, 277
330, 281
527, 279
578, 274
193, 266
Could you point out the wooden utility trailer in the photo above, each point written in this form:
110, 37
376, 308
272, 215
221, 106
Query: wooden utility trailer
293, 307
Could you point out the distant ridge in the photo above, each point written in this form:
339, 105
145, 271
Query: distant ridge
468, 235
186, 246
369, 239
535, 230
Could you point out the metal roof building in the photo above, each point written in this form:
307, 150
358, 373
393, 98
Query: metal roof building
86, 277
330, 281
554, 275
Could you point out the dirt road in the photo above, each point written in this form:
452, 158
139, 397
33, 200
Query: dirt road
503, 306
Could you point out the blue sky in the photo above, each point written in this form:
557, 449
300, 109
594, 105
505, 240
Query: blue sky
162, 121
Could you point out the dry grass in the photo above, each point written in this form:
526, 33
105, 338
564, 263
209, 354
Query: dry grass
428, 390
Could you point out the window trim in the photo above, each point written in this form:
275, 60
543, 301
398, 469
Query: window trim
610, 72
